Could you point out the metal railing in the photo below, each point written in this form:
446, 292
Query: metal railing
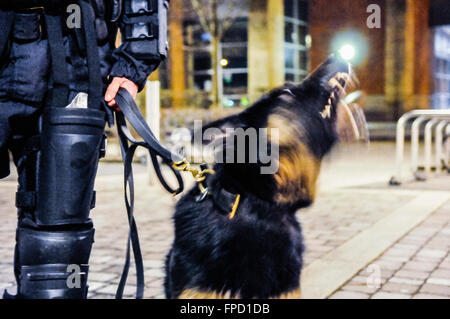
434, 118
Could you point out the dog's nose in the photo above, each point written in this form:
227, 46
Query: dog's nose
328, 69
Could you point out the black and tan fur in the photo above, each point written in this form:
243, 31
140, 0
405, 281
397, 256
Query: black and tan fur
258, 253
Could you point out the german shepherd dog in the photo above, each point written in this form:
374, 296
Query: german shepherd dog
243, 240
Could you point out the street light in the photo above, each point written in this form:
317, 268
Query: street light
347, 52
351, 46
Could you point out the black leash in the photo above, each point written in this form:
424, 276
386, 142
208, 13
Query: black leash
130, 111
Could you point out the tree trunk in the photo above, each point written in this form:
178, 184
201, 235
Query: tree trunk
215, 64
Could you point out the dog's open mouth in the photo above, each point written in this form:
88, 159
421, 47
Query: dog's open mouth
351, 125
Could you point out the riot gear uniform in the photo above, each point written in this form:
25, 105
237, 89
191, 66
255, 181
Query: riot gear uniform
45, 63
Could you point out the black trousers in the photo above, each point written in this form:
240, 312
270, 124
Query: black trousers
18, 122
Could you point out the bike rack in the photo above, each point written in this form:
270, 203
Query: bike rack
428, 141
421, 116
442, 157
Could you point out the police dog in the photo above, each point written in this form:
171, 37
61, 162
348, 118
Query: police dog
241, 239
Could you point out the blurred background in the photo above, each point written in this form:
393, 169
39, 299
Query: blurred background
225, 54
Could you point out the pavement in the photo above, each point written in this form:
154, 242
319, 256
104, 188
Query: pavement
364, 239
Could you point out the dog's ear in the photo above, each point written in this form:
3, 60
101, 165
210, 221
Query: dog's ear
218, 129
322, 75
209, 140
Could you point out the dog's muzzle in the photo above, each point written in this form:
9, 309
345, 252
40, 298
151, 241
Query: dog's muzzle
351, 124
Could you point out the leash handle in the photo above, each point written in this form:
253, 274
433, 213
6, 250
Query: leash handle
131, 112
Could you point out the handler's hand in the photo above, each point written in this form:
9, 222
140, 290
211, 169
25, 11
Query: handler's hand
114, 87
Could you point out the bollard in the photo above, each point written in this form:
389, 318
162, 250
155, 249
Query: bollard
153, 117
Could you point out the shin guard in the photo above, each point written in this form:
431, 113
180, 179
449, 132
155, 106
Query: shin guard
55, 234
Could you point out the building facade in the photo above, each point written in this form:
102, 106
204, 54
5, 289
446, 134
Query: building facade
399, 49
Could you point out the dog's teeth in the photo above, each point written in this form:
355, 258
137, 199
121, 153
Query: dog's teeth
345, 77
333, 82
326, 113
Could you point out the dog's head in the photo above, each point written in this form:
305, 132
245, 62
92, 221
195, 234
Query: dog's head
296, 125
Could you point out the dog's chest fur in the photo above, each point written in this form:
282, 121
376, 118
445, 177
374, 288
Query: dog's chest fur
257, 254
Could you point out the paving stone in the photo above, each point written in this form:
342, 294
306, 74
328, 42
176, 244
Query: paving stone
428, 296
103, 296
431, 254
155, 263
349, 295
364, 288
399, 259
386, 264
6, 285
103, 277
359, 279
400, 288
129, 290
445, 264
12, 288
438, 281
153, 291
399, 252
441, 273
389, 295
407, 281
436, 289
412, 274
420, 266
159, 273
95, 285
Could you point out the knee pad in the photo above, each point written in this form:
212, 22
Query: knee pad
71, 146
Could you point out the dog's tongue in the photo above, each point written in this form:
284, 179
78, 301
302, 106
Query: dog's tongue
351, 123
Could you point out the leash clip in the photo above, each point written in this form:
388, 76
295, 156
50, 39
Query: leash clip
199, 175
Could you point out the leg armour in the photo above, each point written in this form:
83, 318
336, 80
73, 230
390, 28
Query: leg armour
55, 234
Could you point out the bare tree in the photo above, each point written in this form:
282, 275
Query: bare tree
216, 17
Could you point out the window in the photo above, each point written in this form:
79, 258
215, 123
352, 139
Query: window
234, 55
296, 39
234, 52
237, 33
441, 68
202, 61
